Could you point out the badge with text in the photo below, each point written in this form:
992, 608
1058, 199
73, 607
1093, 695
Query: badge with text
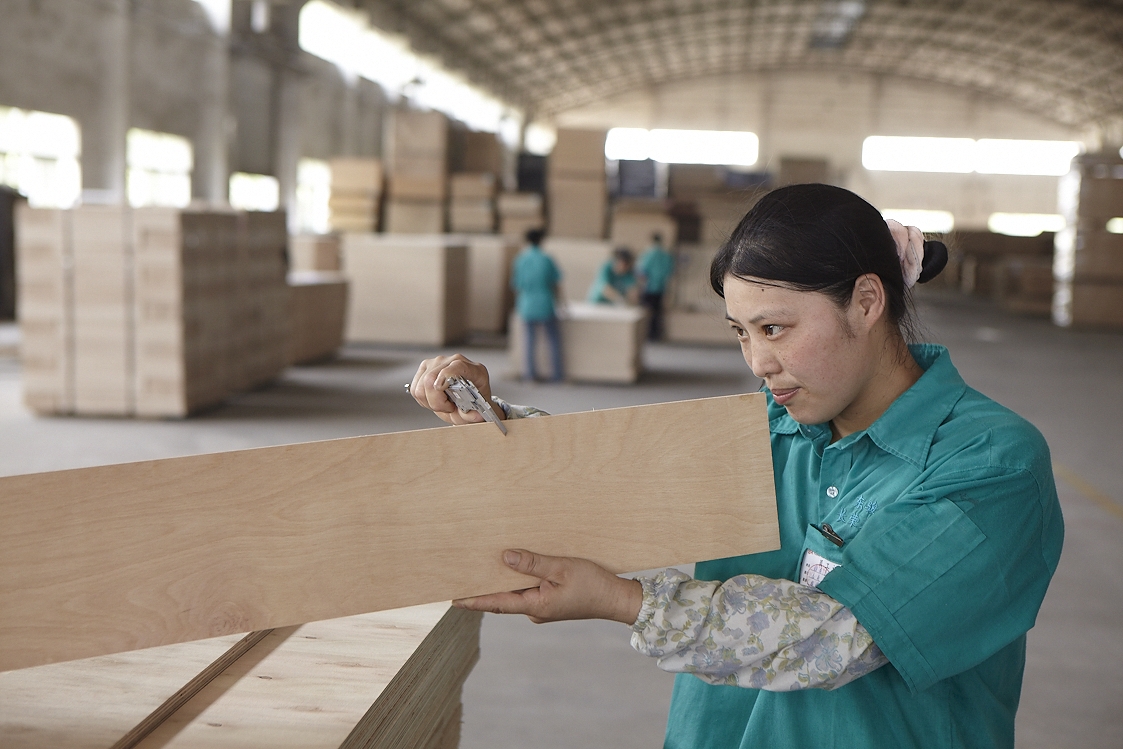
814, 568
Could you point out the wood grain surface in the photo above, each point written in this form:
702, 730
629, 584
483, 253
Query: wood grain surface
115, 558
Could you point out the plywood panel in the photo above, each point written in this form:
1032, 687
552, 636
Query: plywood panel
100, 560
600, 343
489, 289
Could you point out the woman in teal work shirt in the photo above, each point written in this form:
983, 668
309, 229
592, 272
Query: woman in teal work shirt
919, 521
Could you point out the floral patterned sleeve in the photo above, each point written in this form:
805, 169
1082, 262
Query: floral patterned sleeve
751, 631
511, 411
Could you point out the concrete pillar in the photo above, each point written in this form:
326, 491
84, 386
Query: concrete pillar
211, 174
289, 140
103, 145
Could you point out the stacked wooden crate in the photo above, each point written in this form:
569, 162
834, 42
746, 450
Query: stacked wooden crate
1088, 260
314, 252
519, 212
45, 288
356, 193
418, 172
472, 210
406, 289
576, 184
318, 306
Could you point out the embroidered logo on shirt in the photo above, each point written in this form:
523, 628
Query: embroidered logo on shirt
862, 509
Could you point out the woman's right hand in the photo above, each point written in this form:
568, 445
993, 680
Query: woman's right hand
429, 384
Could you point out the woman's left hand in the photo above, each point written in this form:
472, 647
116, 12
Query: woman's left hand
570, 589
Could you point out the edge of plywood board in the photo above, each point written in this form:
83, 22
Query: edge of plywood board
122, 557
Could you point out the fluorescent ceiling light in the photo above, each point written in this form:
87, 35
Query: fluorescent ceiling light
1025, 224
539, 139
719, 147
254, 192
896, 154
934, 222
1115, 225
963, 155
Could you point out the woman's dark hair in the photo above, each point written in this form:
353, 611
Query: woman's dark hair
623, 255
534, 236
820, 238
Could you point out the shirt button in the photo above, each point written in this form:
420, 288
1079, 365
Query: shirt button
832, 491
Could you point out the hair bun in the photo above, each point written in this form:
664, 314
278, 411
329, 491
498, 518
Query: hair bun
935, 259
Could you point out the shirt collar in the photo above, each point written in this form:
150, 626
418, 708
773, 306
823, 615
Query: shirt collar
907, 427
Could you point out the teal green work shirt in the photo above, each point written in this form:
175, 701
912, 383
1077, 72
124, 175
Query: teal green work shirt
534, 276
656, 266
607, 276
951, 529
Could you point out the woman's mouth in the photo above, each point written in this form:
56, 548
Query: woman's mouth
783, 395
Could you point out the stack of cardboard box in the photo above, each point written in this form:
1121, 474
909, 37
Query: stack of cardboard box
418, 172
576, 184
356, 193
1088, 260
519, 212
473, 203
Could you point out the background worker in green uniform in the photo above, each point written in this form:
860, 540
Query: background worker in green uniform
919, 521
655, 268
616, 282
536, 281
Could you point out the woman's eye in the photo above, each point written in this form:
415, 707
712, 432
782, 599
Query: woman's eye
771, 330
739, 331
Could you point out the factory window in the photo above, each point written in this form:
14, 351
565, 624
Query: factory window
934, 222
718, 147
39, 156
254, 192
964, 155
159, 169
313, 191
344, 36
1115, 225
1025, 224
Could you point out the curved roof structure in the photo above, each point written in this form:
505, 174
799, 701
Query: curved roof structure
1062, 59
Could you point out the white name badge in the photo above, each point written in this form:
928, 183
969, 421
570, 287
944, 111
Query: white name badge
814, 568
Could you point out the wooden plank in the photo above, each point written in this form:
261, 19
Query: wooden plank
101, 560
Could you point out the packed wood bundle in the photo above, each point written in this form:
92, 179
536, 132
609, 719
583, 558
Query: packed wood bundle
519, 212
579, 261
1089, 259
417, 145
356, 193
576, 185
406, 288
694, 313
480, 152
600, 343
314, 252
415, 216
473, 203
578, 153
634, 224
45, 288
489, 290
263, 297
390, 680
318, 306
103, 357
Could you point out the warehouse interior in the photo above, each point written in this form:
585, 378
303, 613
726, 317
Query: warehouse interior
239, 224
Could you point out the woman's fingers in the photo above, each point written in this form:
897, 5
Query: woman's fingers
432, 378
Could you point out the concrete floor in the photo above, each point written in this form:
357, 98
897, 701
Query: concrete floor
579, 684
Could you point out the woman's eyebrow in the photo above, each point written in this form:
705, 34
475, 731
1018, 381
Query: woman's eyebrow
762, 316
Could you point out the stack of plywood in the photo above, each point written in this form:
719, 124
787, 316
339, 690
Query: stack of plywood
579, 261
1088, 260
318, 304
489, 291
695, 314
600, 343
171, 310
390, 680
46, 308
418, 172
982, 256
635, 222
406, 288
519, 212
473, 203
356, 192
103, 359
576, 184
1025, 285
314, 252
480, 152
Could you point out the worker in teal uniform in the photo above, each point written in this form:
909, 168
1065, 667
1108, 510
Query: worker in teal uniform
919, 520
656, 265
616, 282
536, 281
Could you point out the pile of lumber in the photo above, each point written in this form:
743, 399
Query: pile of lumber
406, 288
418, 172
1089, 258
318, 302
314, 252
356, 192
519, 212
153, 312
473, 202
576, 185
391, 680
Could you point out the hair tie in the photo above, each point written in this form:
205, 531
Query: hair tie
910, 250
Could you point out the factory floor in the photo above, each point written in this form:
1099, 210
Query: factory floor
579, 684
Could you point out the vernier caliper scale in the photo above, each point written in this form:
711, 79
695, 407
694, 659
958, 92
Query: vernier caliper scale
467, 398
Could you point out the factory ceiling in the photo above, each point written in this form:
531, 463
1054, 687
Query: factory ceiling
1062, 59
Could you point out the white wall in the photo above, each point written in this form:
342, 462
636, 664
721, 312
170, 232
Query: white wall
825, 115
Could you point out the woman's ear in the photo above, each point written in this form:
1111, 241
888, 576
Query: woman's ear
868, 303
